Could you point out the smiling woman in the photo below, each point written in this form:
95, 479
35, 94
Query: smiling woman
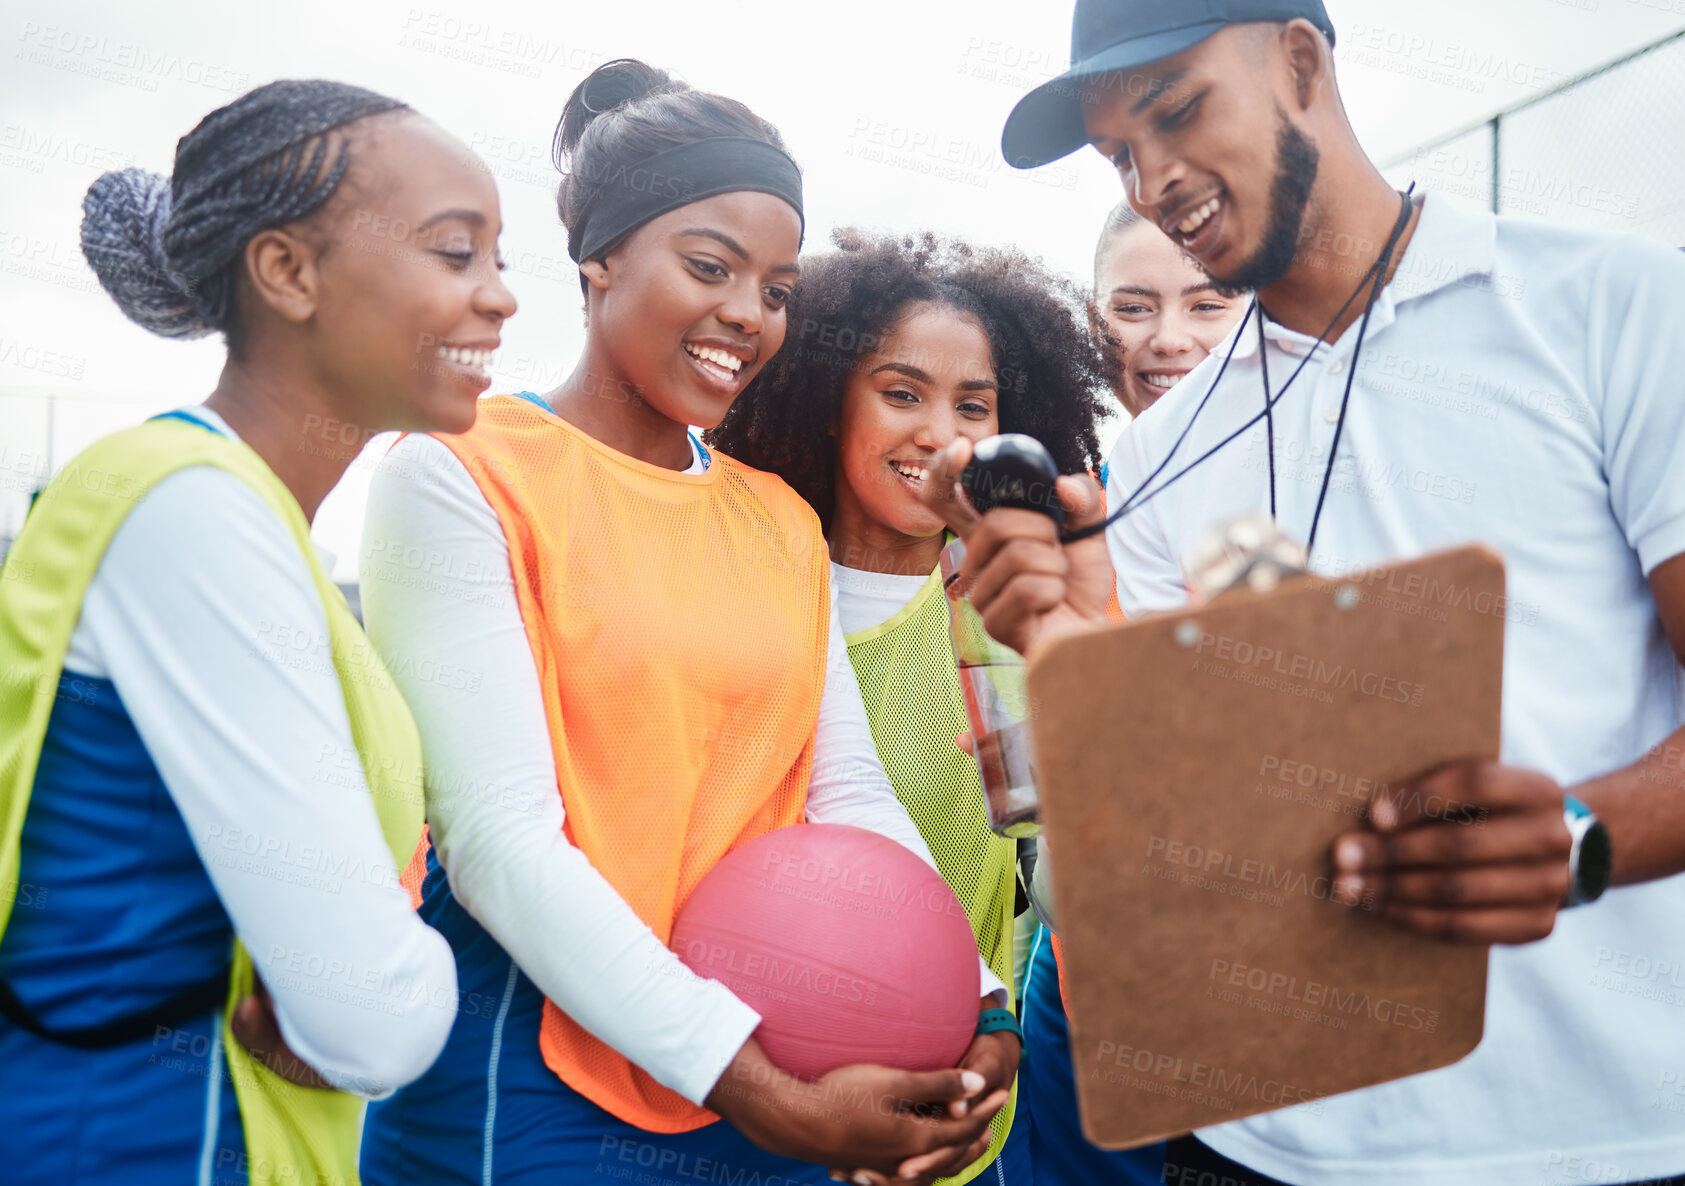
1009, 352
1160, 307
201, 762
662, 660
907, 345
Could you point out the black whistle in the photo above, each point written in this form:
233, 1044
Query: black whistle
1013, 470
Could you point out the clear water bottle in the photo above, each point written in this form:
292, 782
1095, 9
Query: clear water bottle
997, 705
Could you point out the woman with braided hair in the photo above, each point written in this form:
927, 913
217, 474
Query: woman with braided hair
208, 781
904, 345
664, 682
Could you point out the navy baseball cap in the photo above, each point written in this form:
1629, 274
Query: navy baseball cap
1110, 35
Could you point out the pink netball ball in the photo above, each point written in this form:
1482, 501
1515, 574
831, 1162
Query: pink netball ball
851, 949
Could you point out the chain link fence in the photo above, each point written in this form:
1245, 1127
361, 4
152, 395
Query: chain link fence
1606, 150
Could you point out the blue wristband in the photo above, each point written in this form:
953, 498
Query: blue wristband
991, 1021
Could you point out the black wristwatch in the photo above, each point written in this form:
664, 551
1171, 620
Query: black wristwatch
1591, 860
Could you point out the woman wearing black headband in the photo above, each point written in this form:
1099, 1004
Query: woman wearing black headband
651, 635
208, 782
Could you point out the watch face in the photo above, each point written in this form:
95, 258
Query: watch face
1597, 863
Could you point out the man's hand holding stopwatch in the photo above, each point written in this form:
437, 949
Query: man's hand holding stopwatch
1027, 586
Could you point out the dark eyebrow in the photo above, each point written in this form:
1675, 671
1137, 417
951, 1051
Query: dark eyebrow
904, 368
719, 237
1156, 89
735, 246
1204, 286
471, 217
1137, 290
913, 372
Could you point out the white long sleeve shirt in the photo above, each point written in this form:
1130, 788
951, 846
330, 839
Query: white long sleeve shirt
206, 618
494, 809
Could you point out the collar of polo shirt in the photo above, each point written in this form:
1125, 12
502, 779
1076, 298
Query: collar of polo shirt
1452, 245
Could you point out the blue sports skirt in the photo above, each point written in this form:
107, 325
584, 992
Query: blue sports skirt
490, 1111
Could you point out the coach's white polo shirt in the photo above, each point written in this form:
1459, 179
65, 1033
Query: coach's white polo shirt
1522, 385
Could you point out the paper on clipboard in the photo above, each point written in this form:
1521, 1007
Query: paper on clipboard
1194, 768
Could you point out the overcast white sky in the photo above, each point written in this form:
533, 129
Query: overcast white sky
893, 108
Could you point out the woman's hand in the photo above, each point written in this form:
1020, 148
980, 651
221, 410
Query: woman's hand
994, 1056
253, 1023
879, 1119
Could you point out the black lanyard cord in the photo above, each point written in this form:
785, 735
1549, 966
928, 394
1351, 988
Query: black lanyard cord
1351, 375
1375, 277
1381, 266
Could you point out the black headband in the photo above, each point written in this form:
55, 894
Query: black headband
631, 196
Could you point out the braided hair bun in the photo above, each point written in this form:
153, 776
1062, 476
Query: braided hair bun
166, 249
123, 221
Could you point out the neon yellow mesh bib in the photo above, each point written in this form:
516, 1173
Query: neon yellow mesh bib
293, 1134
913, 700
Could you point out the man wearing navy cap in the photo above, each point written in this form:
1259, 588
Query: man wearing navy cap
1434, 376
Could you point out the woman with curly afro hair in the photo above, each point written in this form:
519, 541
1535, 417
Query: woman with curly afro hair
1047, 377
896, 347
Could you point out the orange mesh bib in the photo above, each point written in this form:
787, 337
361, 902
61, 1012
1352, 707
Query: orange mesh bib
679, 623
1059, 967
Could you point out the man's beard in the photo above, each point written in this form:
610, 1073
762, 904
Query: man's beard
1290, 193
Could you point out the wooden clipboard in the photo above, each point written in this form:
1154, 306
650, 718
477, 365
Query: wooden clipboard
1194, 768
